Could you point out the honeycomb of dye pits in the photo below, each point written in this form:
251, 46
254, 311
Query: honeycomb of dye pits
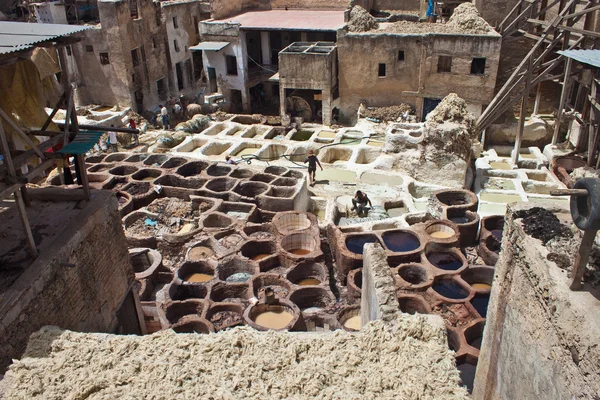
223, 292
125, 201
258, 250
480, 278
490, 239
311, 299
283, 315
300, 245
236, 270
138, 232
196, 272
413, 304
225, 315
442, 231
467, 223
413, 276
308, 274
280, 286
144, 261
349, 318
174, 311
293, 221
401, 241
192, 324
449, 261
354, 282
456, 199
451, 290
192, 168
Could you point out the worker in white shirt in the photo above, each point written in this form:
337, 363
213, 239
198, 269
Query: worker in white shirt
112, 140
164, 113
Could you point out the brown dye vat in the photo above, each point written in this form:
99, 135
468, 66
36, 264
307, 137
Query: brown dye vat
274, 319
309, 282
481, 286
260, 257
198, 277
300, 252
441, 235
200, 253
353, 323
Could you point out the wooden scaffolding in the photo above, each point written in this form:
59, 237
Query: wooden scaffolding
13, 179
552, 26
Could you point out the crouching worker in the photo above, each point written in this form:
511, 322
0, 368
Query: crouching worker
359, 203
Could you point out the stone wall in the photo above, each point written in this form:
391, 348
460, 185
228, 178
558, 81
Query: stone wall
123, 81
541, 339
78, 283
415, 77
402, 5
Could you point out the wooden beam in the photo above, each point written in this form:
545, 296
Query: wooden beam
524, 101
563, 99
53, 113
103, 128
582, 12
21, 133
18, 199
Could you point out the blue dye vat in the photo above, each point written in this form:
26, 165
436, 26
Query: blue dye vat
445, 261
355, 243
450, 289
400, 242
460, 220
480, 302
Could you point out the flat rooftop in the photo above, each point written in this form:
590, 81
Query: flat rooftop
289, 20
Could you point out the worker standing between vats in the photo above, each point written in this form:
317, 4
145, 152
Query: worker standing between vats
229, 160
360, 202
164, 114
112, 140
312, 161
132, 125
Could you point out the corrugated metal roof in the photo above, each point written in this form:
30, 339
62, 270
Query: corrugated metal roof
19, 36
590, 57
213, 46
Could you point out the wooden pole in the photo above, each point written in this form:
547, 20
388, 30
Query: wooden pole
563, 99
18, 198
524, 101
538, 98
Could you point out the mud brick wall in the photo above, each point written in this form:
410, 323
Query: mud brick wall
83, 297
541, 339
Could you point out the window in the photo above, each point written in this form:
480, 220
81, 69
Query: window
196, 27
134, 57
89, 49
161, 88
104, 59
444, 64
400, 55
381, 70
133, 78
69, 50
154, 42
176, 45
231, 62
478, 66
175, 24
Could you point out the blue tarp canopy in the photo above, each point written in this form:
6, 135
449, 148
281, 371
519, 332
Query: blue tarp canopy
83, 142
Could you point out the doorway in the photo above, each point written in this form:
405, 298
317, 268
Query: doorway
212, 80
429, 105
